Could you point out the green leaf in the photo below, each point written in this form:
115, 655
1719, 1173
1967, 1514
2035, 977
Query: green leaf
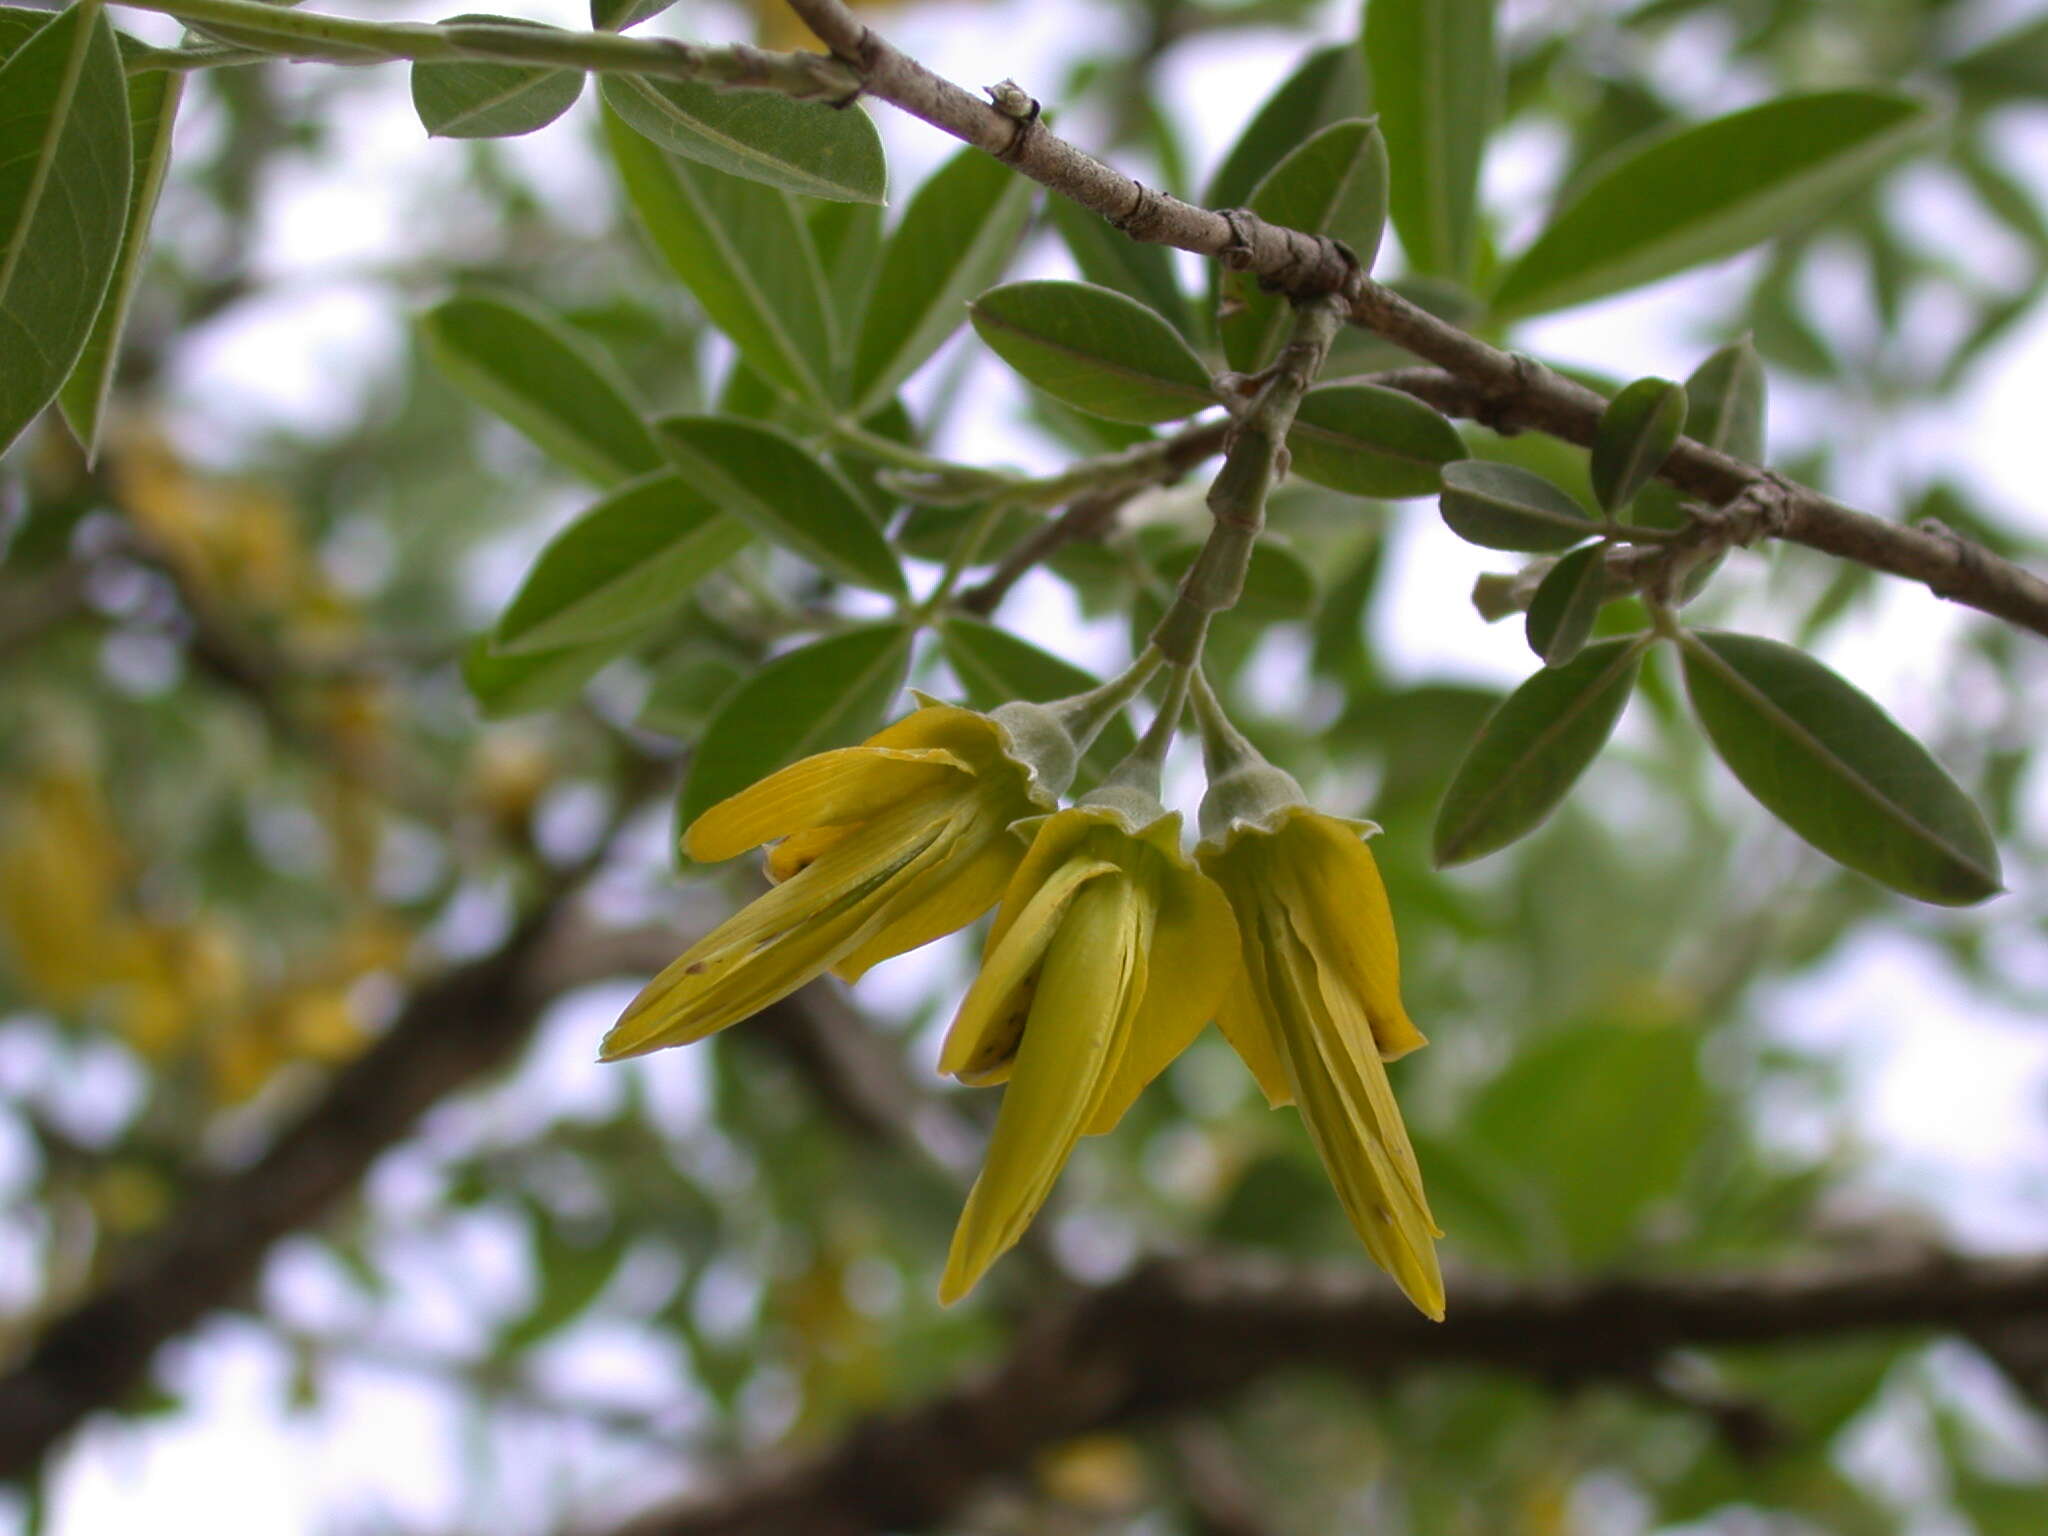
1327, 88
1436, 83
2011, 65
1110, 259
473, 99
521, 362
1370, 441
504, 686
1709, 191
957, 235
1637, 432
1725, 398
152, 108
831, 693
618, 15
630, 558
1836, 769
994, 667
849, 241
1604, 1119
744, 251
687, 687
783, 492
1334, 184
1565, 603
1503, 506
64, 183
799, 146
1533, 749
1095, 350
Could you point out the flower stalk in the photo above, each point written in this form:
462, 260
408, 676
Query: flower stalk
1253, 463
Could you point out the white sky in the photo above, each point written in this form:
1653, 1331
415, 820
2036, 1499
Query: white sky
1949, 1089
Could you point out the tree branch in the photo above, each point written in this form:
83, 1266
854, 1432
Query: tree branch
1512, 391
1177, 1335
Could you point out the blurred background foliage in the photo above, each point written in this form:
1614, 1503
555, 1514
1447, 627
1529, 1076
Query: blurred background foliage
247, 804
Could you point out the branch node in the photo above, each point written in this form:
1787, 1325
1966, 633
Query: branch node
1970, 561
1497, 401
1237, 256
1141, 215
1022, 108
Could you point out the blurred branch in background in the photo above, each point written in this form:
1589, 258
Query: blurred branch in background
1177, 1335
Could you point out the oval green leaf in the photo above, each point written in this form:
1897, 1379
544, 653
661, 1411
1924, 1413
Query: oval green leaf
1725, 401
799, 146
1533, 749
1110, 259
995, 666
1095, 350
1503, 506
519, 361
957, 235
1838, 770
1565, 603
745, 253
1327, 88
831, 693
153, 99
633, 556
65, 166
1709, 191
1437, 86
1333, 184
504, 685
779, 489
617, 15
1637, 432
473, 99
1369, 441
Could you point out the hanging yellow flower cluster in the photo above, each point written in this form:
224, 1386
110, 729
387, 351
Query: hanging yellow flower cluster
1110, 948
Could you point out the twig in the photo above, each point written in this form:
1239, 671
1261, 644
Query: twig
1512, 391
1085, 520
739, 66
1176, 1336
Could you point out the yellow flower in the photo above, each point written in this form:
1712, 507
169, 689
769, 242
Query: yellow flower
883, 847
1109, 954
1316, 1011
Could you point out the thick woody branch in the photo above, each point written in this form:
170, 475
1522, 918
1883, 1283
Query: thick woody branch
454, 1031
1512, 391
1178, 1335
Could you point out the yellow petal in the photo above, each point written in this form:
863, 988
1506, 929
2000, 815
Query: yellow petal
851, 784
1336, 888
781, 939
1085, 995
960, 890
1191, 961
1348, 1106
1243, 1021
800, 850
986, 1031
1053, 838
